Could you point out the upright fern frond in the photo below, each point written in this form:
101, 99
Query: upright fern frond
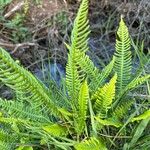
73, 80
122, 56
81, 30
23, 82
82, 107
74, 76
105, 95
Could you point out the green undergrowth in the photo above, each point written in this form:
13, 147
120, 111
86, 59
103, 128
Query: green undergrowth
91, 109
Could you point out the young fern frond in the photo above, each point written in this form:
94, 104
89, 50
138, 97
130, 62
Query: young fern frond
23, 82
81, 30
82, 107
104, 96
132, 85
74, 76
122, 56
143, 116
90, 144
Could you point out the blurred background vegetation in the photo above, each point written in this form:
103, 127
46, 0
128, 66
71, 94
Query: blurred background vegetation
34, 31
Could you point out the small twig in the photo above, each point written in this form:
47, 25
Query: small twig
140, 95
16, 8
16, 46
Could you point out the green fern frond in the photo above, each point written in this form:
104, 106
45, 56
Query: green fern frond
122, 56
105, 95
19, 110
7, 140
90, 144
108, 122
23, 82
73, 79
136, 82
82, 107
5, 145
55, 130
81, 31
74, 75
122, 109
24, 148
87, 65
143, 116
103, 75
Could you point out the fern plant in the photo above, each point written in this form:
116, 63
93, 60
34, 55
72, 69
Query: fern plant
79, 117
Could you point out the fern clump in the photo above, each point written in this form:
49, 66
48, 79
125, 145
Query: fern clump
81, 117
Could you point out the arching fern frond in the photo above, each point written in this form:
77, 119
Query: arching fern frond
104, 96
91, 144
132, 85
122, 56
19, 110
23, 82
93, 73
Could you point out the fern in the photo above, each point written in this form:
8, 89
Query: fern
82, 105
7, 140
19, 110
55, 130
93, 74
105, 95
108, 122
79, 41
90, 144
122, 109
68, 117
122, 56
81, 31
103, 75
136, 82
143, 116
24, 82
